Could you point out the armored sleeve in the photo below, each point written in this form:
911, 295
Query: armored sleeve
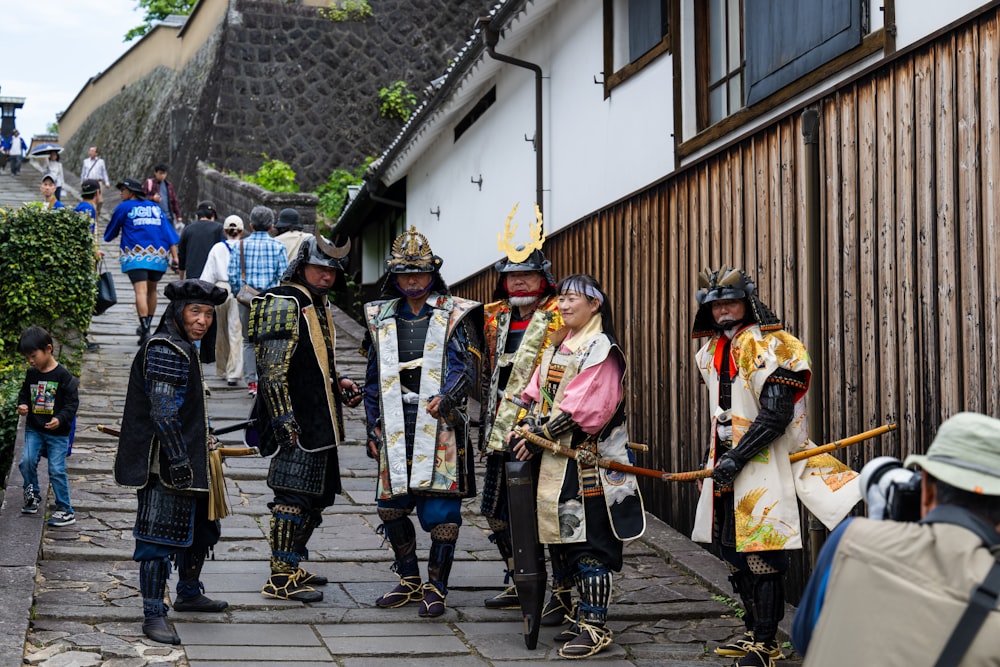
777, 406
460, 374
166, 385
274, 332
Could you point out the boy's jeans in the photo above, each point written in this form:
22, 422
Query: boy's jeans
55, 449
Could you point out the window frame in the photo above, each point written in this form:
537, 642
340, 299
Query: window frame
614, 78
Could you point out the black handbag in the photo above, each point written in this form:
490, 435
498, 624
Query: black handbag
106, 295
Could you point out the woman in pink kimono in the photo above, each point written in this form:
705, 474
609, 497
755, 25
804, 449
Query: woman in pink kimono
585, 512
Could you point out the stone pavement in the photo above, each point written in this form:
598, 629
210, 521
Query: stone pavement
86, 609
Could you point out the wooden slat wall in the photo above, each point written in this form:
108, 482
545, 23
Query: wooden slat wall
910, 198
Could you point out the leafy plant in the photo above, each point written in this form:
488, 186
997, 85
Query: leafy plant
47, 260
341, 11
333, 193
274, 175
157, 10
396, 101
738, 610
52, 128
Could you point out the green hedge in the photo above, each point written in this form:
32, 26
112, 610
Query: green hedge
47, 269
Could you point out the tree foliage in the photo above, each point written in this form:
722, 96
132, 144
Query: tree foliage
340, 11
157, 10
333, 193
396, 101
274, 175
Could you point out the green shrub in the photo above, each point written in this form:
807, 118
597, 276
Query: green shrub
340, 11
274, 175
10, 384
47, 264
397, 101
333, 193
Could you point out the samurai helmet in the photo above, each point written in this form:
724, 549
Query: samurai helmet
411, 253
729, 283
523, 256
318, 251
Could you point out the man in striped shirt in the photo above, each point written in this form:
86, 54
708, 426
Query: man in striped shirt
258, 262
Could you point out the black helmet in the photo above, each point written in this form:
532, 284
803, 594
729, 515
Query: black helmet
318, 251
729, 283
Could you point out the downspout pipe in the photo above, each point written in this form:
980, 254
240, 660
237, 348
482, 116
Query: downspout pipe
491, 36
814, 297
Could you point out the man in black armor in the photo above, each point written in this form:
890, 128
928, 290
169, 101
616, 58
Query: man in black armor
299, 408
424, 350
163, 451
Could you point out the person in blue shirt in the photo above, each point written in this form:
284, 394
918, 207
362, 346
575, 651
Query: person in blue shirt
48, 189
148, 248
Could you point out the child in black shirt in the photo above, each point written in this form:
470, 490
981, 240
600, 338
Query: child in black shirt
49, 400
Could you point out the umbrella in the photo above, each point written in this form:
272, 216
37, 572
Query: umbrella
45, 149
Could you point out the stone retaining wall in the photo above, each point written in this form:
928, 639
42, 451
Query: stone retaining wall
232, 196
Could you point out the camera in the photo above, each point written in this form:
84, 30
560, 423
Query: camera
891, 491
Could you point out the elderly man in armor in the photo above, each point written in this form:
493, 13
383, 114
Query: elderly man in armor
518, 326
423, 347
163, 452
757, 376
298, 409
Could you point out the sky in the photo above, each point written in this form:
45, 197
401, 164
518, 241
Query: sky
51, 48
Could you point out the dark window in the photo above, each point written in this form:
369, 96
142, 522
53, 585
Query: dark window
786, 39
636, 32
720, 59
647, 25
484, 103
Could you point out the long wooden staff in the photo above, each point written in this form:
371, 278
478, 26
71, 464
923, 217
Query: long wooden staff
588, 457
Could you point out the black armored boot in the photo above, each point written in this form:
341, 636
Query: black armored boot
742, 581
769, 609
594, 584
284, 582
507, 599
312, 521
153, 584
443, 539
560, 604
190, 591
398, 529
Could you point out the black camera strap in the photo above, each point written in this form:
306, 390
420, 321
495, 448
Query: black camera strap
984, 597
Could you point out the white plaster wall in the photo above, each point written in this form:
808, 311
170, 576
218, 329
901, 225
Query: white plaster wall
596, 150
918, 18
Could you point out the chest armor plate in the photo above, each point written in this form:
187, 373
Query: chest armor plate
411, 335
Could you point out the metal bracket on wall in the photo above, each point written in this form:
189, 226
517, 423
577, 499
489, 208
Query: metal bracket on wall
437, 213
599, 82
530, 140
479, 182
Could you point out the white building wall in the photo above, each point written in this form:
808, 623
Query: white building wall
596, 150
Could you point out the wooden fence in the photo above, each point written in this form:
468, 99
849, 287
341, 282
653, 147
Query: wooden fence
909, 174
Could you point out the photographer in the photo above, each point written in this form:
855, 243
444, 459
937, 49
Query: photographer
892, 592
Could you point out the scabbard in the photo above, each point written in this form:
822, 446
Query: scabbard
529, 555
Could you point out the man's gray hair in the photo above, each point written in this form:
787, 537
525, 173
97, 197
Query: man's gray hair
261, 218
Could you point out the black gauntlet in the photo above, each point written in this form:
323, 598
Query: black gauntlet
181, 473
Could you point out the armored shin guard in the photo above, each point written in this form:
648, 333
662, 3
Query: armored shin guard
443, 539
769, 606
152, 585
743, 586
398, 529
593, 582
287, 523
190, 590
313, 519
